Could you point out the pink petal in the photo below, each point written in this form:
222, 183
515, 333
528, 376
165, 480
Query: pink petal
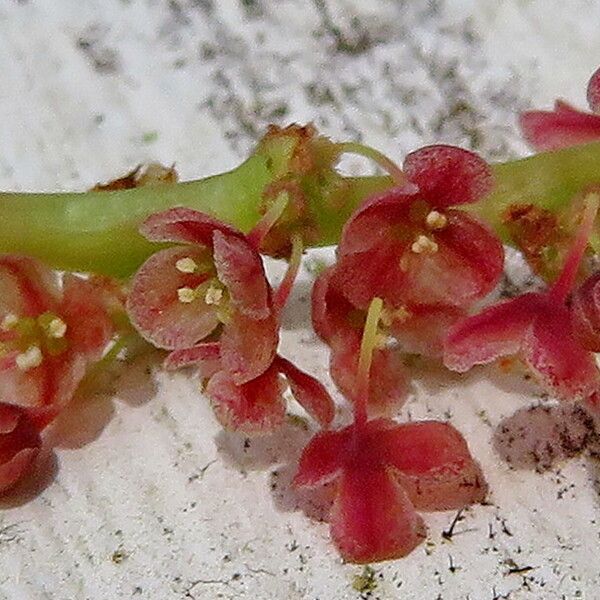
19, 444
593, 91
423, 330
310, 393
448, 176
184, 225
89, 326
252, 408
206, 357
323, 458
154, 307
240, 268
388, 389
561, 128
496, 331
466, 267
585, 305
27, 287
551, 350
434, 462
248, 346
372, 518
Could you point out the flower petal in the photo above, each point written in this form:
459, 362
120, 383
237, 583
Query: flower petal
154, 307
184, 225
254, 407
248, 346
561, 128
323, 458
497, 331
447, 175
593, 91
467, 265
372, 518
205, 357
585, 305
388, 388
309, 393
435, 464
551, 350
89, 326
240, 268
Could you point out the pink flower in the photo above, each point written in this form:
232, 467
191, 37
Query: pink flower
538, 327
20, 442
564, 126
585, 305
49, 333
215, 284
383, 473
256, 406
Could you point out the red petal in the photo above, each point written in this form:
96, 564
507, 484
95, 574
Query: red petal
388, 389
248, 346
561, 128
372, 518
184, 225
310, 393
154, 307
252, 408
593, 91
448, 176
240, 268
323, 458
206, 357
424, 329
19, 445
436, 466
550, 349
89, 326
27, 287
496, 331
466, 267
586, 313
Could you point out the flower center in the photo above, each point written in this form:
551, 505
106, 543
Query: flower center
436, 220
424, 245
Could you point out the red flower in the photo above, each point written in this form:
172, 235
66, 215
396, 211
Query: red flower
49, 333
20, 442
184, 294
564, 126
383, 472
256, 406
538, 327
586, 313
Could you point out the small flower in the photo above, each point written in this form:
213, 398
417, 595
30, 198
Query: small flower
50, 332
20, 442
212, 285
256, 406
538, 327
408, 245
383, 473
564, 126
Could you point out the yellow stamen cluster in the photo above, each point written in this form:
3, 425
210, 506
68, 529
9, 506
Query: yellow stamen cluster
31, 358
186, 265
424, 245
57, 328
9, 321
186, 295
436, 220
213, 295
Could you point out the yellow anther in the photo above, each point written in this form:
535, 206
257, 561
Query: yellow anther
424, 245
31, 358
9, 321
57, 328
436, 220
213, 295
186, 295
186, 265
402, 314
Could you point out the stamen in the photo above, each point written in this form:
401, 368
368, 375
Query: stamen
424, 245
213, 295
436, 220
9, 321
31, 358
186, 295
186, 265
57, 328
